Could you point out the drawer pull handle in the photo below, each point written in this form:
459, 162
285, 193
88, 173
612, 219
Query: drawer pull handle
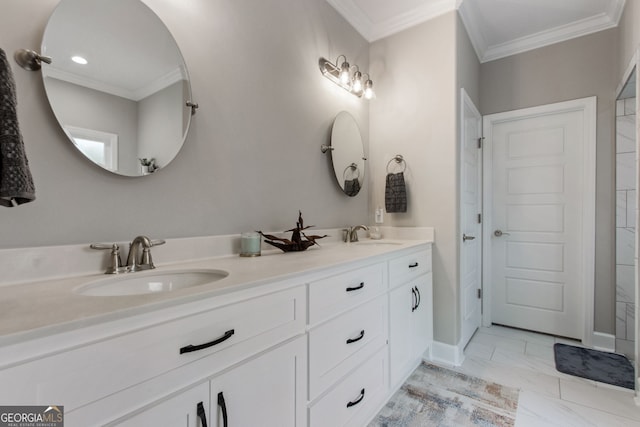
358, 400
190, 348
223, 406
352, 340
414, 265
202, 414
414, 300
419, 297
355, 288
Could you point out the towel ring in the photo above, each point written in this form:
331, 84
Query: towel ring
398, 159
353, 167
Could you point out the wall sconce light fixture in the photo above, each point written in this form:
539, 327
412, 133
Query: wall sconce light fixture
348, 77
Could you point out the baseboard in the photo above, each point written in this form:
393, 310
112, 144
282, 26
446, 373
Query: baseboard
448, 354
603, 342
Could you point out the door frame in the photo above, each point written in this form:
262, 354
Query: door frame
589, 107
467, 102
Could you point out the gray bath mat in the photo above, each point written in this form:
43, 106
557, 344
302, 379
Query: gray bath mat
594, 365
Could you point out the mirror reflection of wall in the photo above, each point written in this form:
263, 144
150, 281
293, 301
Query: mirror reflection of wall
130, 81
626, 195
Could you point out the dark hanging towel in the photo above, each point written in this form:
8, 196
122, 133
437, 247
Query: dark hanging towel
351, 187
16, 183
395, 193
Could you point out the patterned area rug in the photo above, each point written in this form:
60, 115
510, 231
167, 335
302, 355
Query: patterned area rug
595, 365
435, 396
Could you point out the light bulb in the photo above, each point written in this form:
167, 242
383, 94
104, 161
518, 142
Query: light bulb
368, 89
357, 82
344, 73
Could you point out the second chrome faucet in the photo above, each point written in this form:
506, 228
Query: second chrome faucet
139, 257
351, 233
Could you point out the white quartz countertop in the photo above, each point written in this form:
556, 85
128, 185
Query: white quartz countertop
28, 310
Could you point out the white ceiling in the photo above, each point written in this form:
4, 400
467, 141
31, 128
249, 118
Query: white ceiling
497, 28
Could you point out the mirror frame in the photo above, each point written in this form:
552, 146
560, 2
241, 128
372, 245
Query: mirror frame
347, 154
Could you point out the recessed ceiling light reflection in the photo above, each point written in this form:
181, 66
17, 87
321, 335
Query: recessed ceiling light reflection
79, 60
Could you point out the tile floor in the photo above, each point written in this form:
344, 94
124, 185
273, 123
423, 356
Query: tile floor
547, 397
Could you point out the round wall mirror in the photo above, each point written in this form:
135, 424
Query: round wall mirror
117, 84
347, 154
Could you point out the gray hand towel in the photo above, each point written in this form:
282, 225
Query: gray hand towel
351, 187
395, 193
16, 183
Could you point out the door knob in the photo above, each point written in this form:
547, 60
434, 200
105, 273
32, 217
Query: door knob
499, 233
465, 237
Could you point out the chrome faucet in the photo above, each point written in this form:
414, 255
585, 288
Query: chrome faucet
141, 261
351, 234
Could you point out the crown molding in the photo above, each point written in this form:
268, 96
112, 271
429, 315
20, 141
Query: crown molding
137, 95
486, 52
374, 31
559, 34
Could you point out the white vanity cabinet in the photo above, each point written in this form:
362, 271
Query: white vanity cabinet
348, 334
265, 391
411, 313
188, 408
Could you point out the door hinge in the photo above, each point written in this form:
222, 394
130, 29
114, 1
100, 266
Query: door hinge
480, 141
479, 218
479, 293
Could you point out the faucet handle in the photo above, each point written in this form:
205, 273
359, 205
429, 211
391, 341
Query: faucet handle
116, 262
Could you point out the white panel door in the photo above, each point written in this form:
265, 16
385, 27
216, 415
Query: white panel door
470, 208
537, 219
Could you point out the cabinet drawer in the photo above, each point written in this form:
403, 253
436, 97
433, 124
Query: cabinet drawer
342, 344
407, 267
335, 294
354, 400
84, 374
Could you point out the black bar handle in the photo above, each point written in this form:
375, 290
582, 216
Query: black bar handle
419, 297
358, 400
352, 340
414, 265
414, 300
202, 414
190, 348
355, 288
223, 406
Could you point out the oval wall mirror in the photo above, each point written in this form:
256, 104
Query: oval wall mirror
347, 153
117, 84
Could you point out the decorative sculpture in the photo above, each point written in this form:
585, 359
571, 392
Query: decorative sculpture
299, 240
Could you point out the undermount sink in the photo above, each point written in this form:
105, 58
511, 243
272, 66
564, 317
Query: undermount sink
149, 282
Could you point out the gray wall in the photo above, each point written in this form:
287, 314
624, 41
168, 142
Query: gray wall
414, 115
87, 108
252, 157
577, 68
160, 118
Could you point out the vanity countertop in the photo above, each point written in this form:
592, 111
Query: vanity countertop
32, 310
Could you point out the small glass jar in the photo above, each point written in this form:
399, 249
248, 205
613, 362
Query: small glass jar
375, 233
250, 244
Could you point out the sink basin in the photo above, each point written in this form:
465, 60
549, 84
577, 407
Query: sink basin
150, 282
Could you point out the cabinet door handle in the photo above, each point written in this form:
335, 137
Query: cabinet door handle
190, 348
419, 297
358, 400
355, 288
414, 300
414, 265
352, 340
202, 415
223, 406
